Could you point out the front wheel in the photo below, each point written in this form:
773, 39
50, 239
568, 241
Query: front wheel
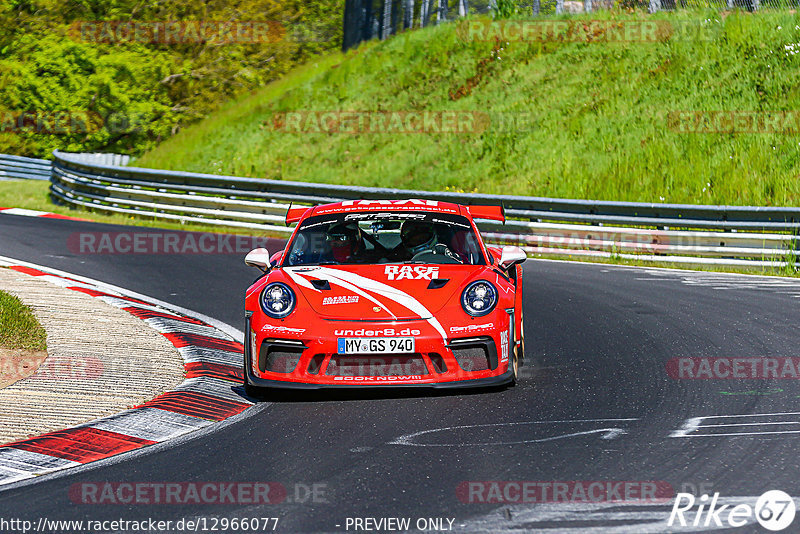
513, 365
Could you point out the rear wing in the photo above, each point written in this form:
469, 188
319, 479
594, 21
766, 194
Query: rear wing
295, 213
492, 213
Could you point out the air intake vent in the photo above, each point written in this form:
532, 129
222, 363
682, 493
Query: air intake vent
474, 354
277, 358
322, 285
438, 362
315, 364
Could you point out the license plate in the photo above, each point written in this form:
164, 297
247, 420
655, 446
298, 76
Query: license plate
375, 345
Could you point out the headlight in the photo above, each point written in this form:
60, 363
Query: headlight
479, 298
277, 300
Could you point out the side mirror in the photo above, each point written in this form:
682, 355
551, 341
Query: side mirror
510, 256
258, 258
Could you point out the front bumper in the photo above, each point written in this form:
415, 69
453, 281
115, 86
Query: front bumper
499, 380
313, 362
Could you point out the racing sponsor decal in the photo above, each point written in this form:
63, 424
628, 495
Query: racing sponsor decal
253, 352
401, 378
504, 346
406, 202
450, 223
282, 329
386, 215
342, 299
471, 328
411, 272
361, 332
376, 366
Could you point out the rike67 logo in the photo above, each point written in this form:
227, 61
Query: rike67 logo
774, 510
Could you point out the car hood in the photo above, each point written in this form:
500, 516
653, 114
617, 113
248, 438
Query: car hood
381, 292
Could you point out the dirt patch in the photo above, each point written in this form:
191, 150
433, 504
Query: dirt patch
16, 364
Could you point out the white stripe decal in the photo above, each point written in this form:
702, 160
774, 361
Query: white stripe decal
346, 285
300, 281
404, 299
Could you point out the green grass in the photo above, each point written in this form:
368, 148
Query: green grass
597, 116
19, 329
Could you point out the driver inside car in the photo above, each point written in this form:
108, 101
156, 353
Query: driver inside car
419, 238
346, 243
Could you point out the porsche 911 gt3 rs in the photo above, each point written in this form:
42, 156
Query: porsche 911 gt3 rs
372, 293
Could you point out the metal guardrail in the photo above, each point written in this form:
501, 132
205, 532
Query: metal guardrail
21, 168
677, 233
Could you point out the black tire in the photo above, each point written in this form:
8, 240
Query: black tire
513, 365
521, 346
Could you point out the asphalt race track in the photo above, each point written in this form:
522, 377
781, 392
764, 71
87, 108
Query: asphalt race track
600, 407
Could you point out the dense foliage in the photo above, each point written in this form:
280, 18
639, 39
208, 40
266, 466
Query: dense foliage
64, 87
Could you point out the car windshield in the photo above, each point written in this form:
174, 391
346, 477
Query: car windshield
385, 237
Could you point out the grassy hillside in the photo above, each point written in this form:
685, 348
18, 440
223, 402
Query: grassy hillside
593, 117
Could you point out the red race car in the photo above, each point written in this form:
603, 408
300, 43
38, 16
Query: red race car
371, 293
